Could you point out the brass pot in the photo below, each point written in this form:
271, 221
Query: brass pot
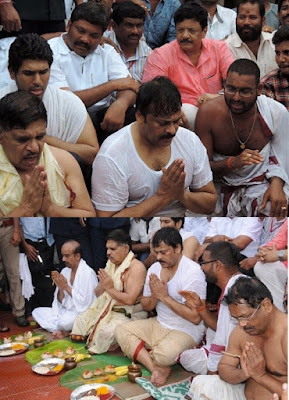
38, 343
70, 363
134, 371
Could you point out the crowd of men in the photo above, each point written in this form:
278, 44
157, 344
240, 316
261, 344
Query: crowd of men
165, 109
218, 310
153, 110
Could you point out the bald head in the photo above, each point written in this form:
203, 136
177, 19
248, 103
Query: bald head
71, 254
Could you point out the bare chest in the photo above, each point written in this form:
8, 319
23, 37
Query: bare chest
232, 138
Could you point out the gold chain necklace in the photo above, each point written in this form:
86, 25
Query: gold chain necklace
243, 144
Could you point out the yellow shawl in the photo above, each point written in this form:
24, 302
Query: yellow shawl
102, 306
11, 187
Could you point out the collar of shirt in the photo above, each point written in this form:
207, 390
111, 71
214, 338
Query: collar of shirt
264, 37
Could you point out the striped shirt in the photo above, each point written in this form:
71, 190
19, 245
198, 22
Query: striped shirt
135, 64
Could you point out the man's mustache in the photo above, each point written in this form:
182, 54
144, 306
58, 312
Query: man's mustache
83, 45
167, 136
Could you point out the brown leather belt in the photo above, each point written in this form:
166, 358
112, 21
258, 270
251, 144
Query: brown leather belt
6, 222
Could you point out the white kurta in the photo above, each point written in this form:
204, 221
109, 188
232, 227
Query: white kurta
66, 113
61, 316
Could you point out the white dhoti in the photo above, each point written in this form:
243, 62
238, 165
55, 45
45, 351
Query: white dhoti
100, 321
274, 276
241, 191
61, 316
250, 183
53, 321
212, 387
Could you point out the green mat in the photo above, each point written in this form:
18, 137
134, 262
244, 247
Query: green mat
174, 391
34, 356
73, 378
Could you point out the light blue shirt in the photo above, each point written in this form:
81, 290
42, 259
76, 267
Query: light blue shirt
159, 27
34, 229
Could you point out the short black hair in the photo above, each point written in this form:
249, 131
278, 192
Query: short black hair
259, 2
193, 11
251, 290
282, 35
244, 66
177, 219
159, 97
29, 46
127, 9
170, 236
120, 237
94, 13
226, 252
19, 109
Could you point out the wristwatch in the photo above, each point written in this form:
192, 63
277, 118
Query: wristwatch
280, 254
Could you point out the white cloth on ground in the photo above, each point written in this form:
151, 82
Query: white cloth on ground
212, 387
121, 179
62, 315
274, 276
237, 226
66, 113
188, 276
25, 276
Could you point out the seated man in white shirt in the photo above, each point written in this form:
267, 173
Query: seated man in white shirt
221, 20
153, 166
69, 127
94, 72
249, 41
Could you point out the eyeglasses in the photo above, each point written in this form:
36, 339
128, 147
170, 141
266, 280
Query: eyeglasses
242, 92
207, 262
246, 319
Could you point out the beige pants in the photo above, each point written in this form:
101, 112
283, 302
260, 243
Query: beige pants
166, 344
10, 260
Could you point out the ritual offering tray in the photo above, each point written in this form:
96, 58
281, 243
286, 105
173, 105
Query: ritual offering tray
93, 391
13, 348
51, 366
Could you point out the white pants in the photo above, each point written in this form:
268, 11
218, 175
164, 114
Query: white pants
274, 276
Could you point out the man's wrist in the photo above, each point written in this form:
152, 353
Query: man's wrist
280, 254
201, 308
